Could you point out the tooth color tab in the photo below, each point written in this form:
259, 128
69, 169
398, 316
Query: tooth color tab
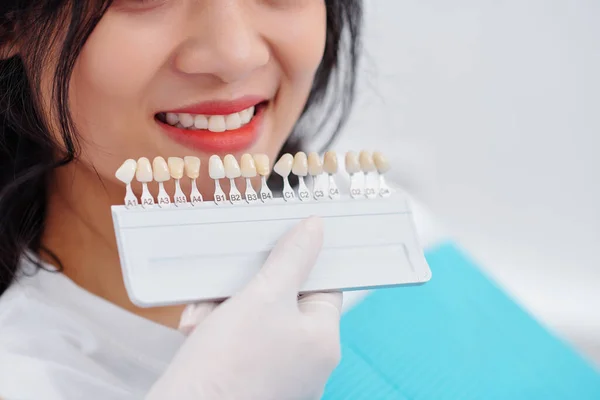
366, 161
352, 163
248, 166
262, 164
315, 166
300, 167
232, 168
283, 167
143, 172
161, 170
381, 162
330, 163
176, 166
192, 167
216, 169
126, 171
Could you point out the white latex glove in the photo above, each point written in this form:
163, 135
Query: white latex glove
263, 343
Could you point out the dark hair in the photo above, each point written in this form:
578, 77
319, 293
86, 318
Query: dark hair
28, 154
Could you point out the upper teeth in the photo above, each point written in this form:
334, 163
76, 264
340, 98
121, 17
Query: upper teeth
214, 123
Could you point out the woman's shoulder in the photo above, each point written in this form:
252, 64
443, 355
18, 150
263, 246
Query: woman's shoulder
49, 350
62, 342
24, 301
40, 352
20, 299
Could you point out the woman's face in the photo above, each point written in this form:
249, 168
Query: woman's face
181, 77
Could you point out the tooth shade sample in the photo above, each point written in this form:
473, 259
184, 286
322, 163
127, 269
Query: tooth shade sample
283, 167
315, 166
143, 172
366, 161
126, 171
192, 166
300, 166
232, 168
176, 166
262, 164
161, 170
248, 166
216, 169
330, 163
382, 163
352, 163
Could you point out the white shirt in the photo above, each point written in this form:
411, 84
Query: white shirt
58, 341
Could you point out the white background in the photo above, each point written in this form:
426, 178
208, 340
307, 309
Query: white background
490, 112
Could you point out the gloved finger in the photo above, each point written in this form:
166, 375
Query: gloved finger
194, 314
322, 305
292, 259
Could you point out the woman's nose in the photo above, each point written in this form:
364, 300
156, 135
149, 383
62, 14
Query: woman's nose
222, 41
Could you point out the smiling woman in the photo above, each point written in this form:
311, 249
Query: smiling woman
151, 78
88, 84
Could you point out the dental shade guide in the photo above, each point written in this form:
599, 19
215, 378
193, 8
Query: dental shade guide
179, 253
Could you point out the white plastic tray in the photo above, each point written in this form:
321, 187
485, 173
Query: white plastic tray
184, 254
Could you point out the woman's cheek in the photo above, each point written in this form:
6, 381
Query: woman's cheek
122, 59
111, 87
300, 50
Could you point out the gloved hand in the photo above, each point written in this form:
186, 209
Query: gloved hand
263, 343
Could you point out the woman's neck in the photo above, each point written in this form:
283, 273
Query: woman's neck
79, 231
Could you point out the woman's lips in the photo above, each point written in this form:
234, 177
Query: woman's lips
217, 107
229, 141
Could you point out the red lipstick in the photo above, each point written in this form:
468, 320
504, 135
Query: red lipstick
218, 107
